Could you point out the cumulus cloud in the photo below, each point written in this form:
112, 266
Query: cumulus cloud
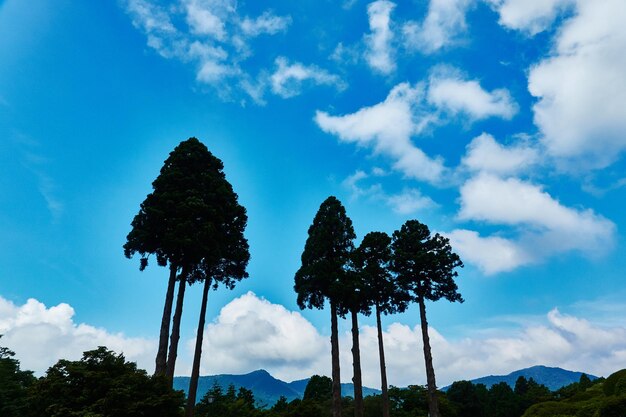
379, 54
485, 154
211, 36
581, 88
41, 335
449, 91
557, 340
531, 16
251, 333
387, 128
288, 78
545, 227
491, 254
441, 27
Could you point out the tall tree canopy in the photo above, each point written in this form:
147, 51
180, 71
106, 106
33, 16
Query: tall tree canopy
426, 267
325, 262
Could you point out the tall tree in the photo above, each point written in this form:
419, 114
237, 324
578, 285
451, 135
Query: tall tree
325, 262
425, 266
193, 222
381, 290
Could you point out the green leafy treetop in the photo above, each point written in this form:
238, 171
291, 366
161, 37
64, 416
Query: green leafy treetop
102, 384
192, 218
372, 260
425, 263
13, 385
326, 255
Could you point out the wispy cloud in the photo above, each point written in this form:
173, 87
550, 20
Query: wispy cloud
34, 161
289, 78
408, 201
441, 28
215, 39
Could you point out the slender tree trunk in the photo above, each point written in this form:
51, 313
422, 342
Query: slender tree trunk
356, 364
334, 351
433, 404
383, 368
195, 370
175, 337
161, 356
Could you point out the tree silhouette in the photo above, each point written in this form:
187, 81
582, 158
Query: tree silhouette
193, 222
325, 261
425, 266
372, 260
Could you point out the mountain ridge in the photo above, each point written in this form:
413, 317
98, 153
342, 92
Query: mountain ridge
268, 389
552, 377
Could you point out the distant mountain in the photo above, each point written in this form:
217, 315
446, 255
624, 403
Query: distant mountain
553, 378
267, 389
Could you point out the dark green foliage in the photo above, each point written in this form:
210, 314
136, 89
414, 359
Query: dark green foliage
425, 263
326, 255
584, 382
192, 218
102, 384
13, 385
371, 260
470, 400
502, 401
319, 388
586, 398
615, 383
233, 403
613, 407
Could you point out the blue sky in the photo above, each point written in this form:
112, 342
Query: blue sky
498, 123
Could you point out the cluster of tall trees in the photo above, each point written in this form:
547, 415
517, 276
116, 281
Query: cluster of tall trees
193, 224
384, 274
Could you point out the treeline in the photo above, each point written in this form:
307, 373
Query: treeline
104, 384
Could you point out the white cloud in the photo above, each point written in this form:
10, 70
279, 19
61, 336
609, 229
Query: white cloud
558, 340
531, 16
485, 154
40, 336
208, 17
379, 54
450, 92
545, 226
288, 78
492, 254
211, 36
387, 128
441, 27
581, 87
251, 333
267, 23
409, 201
